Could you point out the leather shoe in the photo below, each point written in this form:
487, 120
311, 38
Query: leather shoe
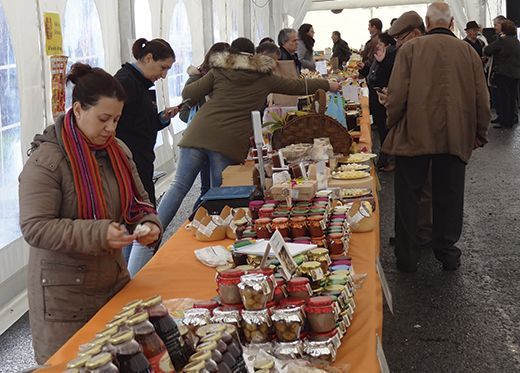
450, 266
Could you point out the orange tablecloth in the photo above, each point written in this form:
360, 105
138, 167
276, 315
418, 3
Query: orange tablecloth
174, 272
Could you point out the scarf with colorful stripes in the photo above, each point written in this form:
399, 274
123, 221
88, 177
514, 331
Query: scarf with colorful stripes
87, 180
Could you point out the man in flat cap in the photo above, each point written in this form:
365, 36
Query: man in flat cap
407, 27
438, 113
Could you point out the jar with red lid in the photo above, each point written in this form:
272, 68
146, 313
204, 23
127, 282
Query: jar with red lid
280, 291
210, 305
299, 288
293, 302
317, 225
302, 240
281, 225
254, 207
266, 212
263, 228
227, 282
298, 225
319, 241
320, 314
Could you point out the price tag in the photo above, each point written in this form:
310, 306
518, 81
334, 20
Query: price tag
281, 252
383, 364
384, 285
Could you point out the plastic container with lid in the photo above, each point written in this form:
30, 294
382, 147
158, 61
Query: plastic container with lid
256, 326
128, 354
78, 364
299, 288
153, 347
101, 363
255, 291
287, 323
227, 282
166, 328
320, 350
320, 314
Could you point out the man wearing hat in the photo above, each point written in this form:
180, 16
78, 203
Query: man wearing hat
472, 29
408, 26
438, 113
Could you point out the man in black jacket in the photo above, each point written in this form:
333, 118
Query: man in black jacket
288, 42
340, 49
472, 30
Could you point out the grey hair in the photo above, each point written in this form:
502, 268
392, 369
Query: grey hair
439, 13
283, 35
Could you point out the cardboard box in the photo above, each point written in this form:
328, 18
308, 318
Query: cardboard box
238, 175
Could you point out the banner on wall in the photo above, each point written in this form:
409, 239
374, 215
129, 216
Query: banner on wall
58, 80
53, 38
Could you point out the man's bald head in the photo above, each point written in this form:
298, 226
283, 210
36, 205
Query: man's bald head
439, 15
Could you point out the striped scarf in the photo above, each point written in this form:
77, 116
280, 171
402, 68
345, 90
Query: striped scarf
87, 180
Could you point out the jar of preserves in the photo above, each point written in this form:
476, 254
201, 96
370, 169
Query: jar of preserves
289, 350
254, 207
320, 350
322, 256
281, 224
78, 364
101, 363
152, 345
287, 323
336, 243
320, 314
263, 228
226, 315
299, 288
266, 212
298, 225
210, 305
195, 318
280, 291
254, 291
167, 330
317, 225
227, 282
313, 271
128, 354
256, 326
269, 274
319, 241
188, 340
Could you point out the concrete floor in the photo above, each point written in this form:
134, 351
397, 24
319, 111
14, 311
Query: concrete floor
464, 321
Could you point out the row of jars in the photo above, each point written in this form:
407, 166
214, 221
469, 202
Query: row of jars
143, 336
274, 209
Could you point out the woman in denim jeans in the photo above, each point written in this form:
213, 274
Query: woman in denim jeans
239, 83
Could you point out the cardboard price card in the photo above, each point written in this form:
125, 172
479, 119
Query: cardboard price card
281, 251
58, 79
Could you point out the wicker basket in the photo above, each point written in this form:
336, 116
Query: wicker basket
306, 128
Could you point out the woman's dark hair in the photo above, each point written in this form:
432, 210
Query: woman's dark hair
376, 22
509, 27
269, 49
392, 21
242, 45
266, 40
306, 39
215, 48
159, 48
92, 83
386, 39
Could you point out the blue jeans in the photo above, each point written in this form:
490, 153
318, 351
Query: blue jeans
191, 162
205, 184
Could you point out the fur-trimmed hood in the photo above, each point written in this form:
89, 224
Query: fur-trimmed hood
243, 62
193, 70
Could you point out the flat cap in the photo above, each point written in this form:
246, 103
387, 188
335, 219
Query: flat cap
407, 22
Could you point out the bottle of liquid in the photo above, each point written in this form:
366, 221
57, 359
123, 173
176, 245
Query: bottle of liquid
167, 330
129, 356
152, 345
101, 363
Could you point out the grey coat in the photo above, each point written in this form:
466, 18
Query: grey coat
305, 56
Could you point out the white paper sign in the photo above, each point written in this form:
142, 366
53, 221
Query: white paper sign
383, 364
321, 67
351, 93
281, 251
384, 285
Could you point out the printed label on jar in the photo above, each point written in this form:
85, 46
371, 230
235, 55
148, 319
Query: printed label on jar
161, 363
317, 274
323, 224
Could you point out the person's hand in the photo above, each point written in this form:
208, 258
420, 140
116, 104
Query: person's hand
334, 86
477, 143
380, 54
118, 237
382, 96
360, 65
151, 236
170, 112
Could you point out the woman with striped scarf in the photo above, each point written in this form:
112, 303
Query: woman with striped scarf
81, 200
